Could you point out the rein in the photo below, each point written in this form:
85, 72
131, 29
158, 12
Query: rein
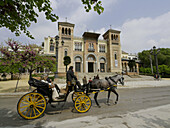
113, 80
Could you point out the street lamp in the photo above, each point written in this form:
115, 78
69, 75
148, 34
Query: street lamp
57, 47
155, 52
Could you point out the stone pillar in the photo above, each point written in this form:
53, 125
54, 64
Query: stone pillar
86, 66
82, 66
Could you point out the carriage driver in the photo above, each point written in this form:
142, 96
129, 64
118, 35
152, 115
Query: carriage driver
70, 77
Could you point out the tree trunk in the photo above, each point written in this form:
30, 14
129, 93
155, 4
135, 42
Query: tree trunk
12, 75
66, 68
30, 74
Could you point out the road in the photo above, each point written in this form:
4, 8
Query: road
130, 100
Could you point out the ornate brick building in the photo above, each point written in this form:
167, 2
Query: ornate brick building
88, 53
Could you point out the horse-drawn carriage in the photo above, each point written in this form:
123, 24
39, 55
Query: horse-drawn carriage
33, 104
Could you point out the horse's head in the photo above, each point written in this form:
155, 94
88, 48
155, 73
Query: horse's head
121, 80
118, 78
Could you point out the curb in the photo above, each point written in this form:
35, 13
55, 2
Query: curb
13, 94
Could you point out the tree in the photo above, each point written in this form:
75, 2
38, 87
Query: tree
24, 56
10, 63
17, 15
67, 61
163, 60
97, 5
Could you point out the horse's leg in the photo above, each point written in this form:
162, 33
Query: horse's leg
108, 96
117, 95
95, 98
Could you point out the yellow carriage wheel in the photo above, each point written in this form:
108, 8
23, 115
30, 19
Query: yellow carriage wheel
82, 103
75, 95
31, 105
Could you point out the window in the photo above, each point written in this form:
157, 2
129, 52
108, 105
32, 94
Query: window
66, 31
78, 46
115, 56
62, 30
78, 67
102, 68
51, 48
90, 58
65, 52
101, 48
69, 31
91, 47
112, 37
116, 37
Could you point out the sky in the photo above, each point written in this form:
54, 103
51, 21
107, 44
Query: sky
143, 23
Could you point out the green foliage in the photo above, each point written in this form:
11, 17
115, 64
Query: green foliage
163, 62
131, 65
97, 5
17, 15
67, 61
163, 57
23, 56
164, 70
144, 58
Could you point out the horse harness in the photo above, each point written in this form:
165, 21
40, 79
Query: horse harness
115, 85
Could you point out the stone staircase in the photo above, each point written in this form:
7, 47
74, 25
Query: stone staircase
103, 75
91, 75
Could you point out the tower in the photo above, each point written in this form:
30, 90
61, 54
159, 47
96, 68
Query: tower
66, 33
113, 50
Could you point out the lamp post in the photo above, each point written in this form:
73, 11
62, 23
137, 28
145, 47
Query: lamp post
57, 47
155, 52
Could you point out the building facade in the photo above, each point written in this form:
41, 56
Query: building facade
126, 58
88, 53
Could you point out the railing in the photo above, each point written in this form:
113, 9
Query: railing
91, 50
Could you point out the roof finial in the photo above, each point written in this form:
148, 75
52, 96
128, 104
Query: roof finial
110, 26
66, 19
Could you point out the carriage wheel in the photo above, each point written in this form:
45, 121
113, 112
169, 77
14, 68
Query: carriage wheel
82, 103
75, 95
31, 105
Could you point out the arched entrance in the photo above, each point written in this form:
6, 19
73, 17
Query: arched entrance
78, 63
102, 64
91, 63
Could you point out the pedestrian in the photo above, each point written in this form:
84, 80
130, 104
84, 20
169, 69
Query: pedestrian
84, 81
97, 77
90, 80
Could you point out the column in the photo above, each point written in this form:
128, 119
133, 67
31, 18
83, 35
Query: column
86, 66
81, 66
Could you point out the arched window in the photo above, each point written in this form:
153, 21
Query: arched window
112, 37
116, 37
51, 47
65, 52
66, 31
115, 56
69, 31
62, 30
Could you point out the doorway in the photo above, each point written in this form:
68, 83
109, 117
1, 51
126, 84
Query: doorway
90, 67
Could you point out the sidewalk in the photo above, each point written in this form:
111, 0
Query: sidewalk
8, 87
